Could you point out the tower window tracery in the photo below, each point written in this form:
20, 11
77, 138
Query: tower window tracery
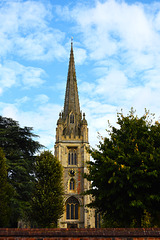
72, 157
72, 206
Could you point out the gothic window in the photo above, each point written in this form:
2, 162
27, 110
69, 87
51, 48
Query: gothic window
72, 184
72, 157
72, 118
69, 158
72, 206
75, 158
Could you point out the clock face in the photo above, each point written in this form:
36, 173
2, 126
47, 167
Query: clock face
71, 172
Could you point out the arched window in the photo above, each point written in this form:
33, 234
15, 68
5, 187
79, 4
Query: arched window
72, 184
72, 157
72, 206
72, 118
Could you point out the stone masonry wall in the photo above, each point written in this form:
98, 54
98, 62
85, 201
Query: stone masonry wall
81, 234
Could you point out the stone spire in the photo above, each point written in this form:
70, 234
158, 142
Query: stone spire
71, 103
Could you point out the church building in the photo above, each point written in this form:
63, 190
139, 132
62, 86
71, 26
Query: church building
71, 150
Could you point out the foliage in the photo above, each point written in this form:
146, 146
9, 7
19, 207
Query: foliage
19, 147
5, 192
47, 204
125, 172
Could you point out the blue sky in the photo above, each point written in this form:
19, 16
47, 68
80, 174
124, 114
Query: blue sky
117, 57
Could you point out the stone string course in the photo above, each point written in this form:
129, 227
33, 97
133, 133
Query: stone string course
80, 234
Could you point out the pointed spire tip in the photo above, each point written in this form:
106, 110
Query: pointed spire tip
71, 41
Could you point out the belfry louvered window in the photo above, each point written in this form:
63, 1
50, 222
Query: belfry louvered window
72, 157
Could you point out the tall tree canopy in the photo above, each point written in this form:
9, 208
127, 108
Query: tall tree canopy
19, 148
6, 192
125, 173
47, 205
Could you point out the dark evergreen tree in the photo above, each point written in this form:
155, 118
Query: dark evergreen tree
47, 205
6, 192
19, 147
125, 173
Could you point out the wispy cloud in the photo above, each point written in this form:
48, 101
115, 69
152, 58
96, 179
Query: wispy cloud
122, 42
25, 31
117, 56
124, 36
43, 119
15, 74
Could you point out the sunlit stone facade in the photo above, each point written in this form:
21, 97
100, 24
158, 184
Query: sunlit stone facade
71, 150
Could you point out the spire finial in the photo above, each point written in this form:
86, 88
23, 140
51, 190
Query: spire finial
71, 41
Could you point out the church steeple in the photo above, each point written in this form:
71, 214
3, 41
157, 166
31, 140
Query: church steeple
70, 122
71, 103
71, 150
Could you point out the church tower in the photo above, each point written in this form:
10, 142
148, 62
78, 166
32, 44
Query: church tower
70, 149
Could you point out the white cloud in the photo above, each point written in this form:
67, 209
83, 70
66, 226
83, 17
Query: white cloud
87, 87
114, 82
13, 73
97, 116
1, 90
120, 40
6, 45
25, 31
31, 77
123, 39
22, 100
116, 30
112, 25
41, 45
80, 55
41, 99
43, 119
9, 110
97, 108
7, 77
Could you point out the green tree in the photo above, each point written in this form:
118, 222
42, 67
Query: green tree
5, 192
19, 147
47, 205
125, 172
